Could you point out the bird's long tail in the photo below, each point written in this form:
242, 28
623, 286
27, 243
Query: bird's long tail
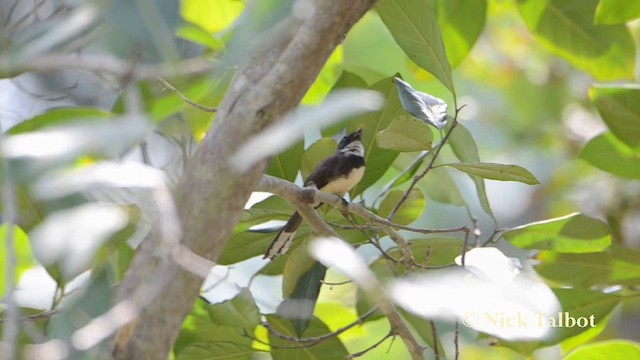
283, 241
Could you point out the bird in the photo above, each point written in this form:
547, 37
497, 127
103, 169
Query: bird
336, 174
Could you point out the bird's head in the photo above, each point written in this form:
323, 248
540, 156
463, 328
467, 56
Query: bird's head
352, 143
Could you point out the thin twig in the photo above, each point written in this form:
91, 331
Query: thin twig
377, 343
454, 123
39, 316
312, 341
416, 162
185, 98
456, 338
436, 351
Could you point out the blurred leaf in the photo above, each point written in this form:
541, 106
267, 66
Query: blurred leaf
611, 349
409, 211
281, 349
616, 11
245, 245
461, 23
346, 80
405, 134
71, 238
620, 110
566, 28
91, 300
37, 151
439, 186
414, 26
614, 266
609, 154
23, 255
500, 172
466, 150
573, 233
425, 331
425, 107
213, 15
301, 282
286, 164
59, 116
314, 155
325, 81
378, 160
199, 36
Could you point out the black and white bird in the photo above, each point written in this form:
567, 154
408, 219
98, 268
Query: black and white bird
335, 175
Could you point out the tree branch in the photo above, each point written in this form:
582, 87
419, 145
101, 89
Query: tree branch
210, 195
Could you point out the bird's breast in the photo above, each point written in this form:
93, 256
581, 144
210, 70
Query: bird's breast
343, 184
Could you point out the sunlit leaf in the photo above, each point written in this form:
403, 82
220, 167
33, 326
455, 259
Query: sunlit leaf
620, 110
23, 256
616, 11
574, 233
461, 23
611, 349
228, 349
241, 311
425, 107
609, 154
198, 35
405, 133
414, 26
409, 211
214, 16
614, 266
500, 172
566, 28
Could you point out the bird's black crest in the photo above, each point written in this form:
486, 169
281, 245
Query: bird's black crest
348, 139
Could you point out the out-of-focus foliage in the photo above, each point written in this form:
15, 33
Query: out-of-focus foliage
526, 81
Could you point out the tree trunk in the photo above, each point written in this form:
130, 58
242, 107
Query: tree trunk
210, 197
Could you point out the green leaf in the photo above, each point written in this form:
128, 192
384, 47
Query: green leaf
241, 311
609, 154
24, 256
245, 245
214, 15
377, 160
302, 279
439, 186
219, 350
414, 27
286, 164
620, 110
409, 211
500, 172
197, 327
461, 22
281, 349
616, 11
616, 265
612, 349
317, 152
59, 116
405, 133
466, 150
346, 80
198, 35
581, 303
566, 28
573, 233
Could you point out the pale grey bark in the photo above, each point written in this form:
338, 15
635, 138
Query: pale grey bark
210, 196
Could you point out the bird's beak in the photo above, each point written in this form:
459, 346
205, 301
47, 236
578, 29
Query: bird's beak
357, 134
